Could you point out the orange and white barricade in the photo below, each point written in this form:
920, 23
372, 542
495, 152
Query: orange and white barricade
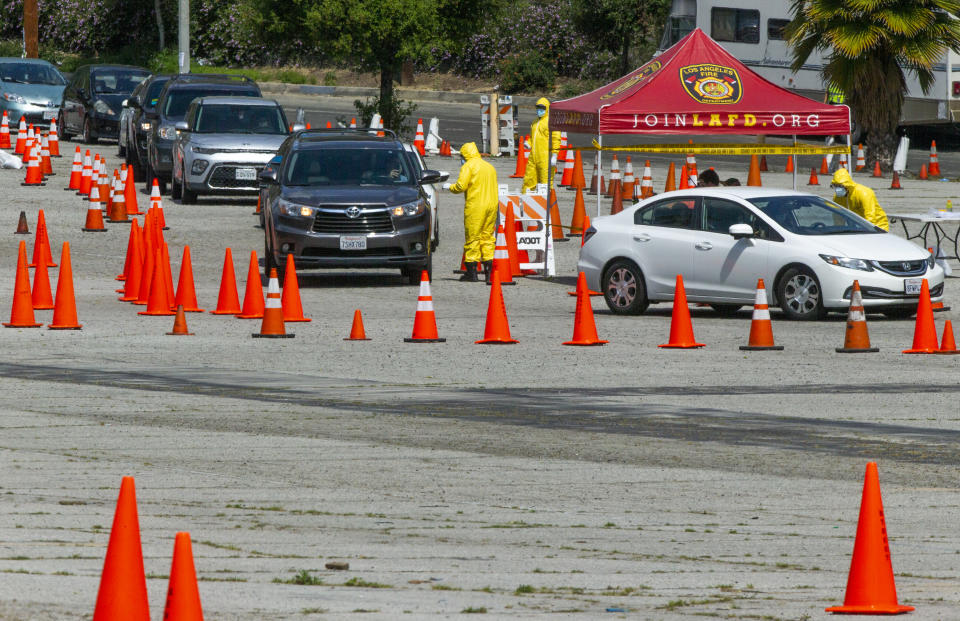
531, 211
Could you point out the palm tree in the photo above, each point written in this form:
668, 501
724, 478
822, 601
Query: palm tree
867, 46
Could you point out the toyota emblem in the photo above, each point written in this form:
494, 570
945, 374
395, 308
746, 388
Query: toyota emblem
352, 211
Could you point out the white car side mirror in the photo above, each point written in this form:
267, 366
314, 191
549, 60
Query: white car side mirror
740, 231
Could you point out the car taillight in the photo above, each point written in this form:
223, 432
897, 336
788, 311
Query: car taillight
588, 234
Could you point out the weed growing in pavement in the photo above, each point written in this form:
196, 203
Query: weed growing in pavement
471, 610
313, 611
445, 587
357, 581
524, 589
304, 578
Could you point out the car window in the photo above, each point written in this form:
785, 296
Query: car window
313, 167
719, 215
812, 215
238, 119
177, 100
675, 213
117, 81
153, 92
31, 73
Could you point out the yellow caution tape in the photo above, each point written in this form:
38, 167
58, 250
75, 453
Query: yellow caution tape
725, 149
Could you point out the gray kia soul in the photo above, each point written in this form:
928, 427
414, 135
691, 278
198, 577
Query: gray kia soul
346, 198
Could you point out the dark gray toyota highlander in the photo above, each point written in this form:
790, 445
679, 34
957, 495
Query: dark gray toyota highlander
346, 199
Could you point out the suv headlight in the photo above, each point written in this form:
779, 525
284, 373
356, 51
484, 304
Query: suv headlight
14, 98
415, 208
102, 107
168, 132
293, 209
854, 264
145, 126
199, 166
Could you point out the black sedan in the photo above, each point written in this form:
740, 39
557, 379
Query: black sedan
93, 99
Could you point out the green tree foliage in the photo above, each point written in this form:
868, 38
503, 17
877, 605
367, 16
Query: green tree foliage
622, 25
867, 45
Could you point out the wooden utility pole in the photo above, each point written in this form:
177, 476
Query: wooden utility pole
31, 19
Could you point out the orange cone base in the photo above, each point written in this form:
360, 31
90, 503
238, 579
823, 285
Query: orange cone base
590, 293
159, 313
506, 341
180, 333
864, 350
920, 351
939, 309
347, 338
94, 230
33, 184
27, 325
585, 343
411, 340
257, 335
895, 609
760, 348
79, 326
952, 352
682, 345
503, 284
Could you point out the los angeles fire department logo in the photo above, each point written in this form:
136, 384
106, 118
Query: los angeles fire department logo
643, 74
711, 84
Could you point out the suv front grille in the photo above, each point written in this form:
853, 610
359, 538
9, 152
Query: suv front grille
224, 177
334, 220
903, 268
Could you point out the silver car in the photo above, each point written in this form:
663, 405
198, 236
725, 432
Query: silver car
30, 88
222, 145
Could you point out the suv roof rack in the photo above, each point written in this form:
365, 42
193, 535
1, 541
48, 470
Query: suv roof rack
388, 134
209, 77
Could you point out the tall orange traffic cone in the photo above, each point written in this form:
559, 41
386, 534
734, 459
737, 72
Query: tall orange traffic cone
21, 314
34, 175
133, 272
584, 325
183, 596
614, 175
895, 184
156, 202
578, 182
616, 205
65, 308
86, 175
579, 212
41, 243
425, 321
614, 190
54, 138
870, 584
923, 172
94, 221
876, 169
272, 325
934, 163
46, 166
861, 158
76, 172
290, 300
671, 183
253, 305
501, 260
948, 345
684, 178
22, 227
180, 324
5, 132
626, 186
789, 167
118, 207
228, 301
753, 176
763, 164
357, 332
925, 332
567, 177
130, 193
418, 140
521, 167
824, 166
497, 329
147, 273
646, 183
814, 180
186, 294
856, 340
843, 160
41, 297
20, 147
596, 181
681, 328
159, 302
123, 584
134, 232
510, 232
556, 224
761, 328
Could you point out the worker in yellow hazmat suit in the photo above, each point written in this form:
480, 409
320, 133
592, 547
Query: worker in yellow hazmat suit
478, 182
858, 198
540, 138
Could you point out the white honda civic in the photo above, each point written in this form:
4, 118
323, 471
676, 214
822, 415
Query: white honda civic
807, 250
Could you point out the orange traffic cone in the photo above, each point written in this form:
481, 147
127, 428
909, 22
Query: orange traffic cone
814, 180
923, 172
497, 330
684, 179
290, 300
671, 183
895, 184
159, 302
21, 315
180, 324
46, 167
870, 584
948, 345
934, 163
5, 132
843, 160
186, 297
578, 182
42, 297
579, 211
626, 186
253, 306
763, 164
123, 584
76, 172
147, 273
596, 181
133, 272
156, 202
418, 140
86, 175
616, 205
857, 340
183, 596
614, 190
925, 332
521, 167
425, 321
501, 260
41, 243
272, 325
130, 193
510, 233
556, 224
861, 158
753, 177
228, 301
134, 232
876, 169
567, 177
789, 167
94, 222
54, 139
65, 309
646, 183
118, 207
357, 332
34, 175
20, 147
824, 166
761, 329
614, 175
584, 325
681, 328
22, 227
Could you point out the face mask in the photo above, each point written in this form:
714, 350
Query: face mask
541, 112
840, 191
462, 161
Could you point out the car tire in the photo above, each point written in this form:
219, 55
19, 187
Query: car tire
175, 189
726, 310
800, 296
121, 148
134, 161
900, 313
62, 132
89, 136
187, 196
414, 273
624, 289
269, 262
436, 238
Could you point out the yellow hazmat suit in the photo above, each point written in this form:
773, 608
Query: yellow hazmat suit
859, 199
539, 160
478, 180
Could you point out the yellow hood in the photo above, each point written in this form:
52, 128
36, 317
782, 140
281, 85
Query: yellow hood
543, 101
469, 151
842, 177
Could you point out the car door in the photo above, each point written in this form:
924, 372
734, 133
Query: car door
727, 269
662, 241
68, 108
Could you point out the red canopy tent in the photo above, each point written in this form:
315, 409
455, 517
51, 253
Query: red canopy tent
696, 87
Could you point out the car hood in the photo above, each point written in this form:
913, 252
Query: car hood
878, 247
43, 94
351, 195
114, 100
239, 142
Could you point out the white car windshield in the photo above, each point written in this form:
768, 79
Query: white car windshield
812, 215
355, 166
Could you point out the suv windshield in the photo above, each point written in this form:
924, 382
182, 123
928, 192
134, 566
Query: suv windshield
117, 81
234, 119
812, 215
30, 73
179, 99
348, 166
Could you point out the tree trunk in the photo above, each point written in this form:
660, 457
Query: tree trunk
386, 95
625, 54
157, 9
875, 103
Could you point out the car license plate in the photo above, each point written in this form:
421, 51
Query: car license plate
911, 286
353, 242
49, 114
246, 174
